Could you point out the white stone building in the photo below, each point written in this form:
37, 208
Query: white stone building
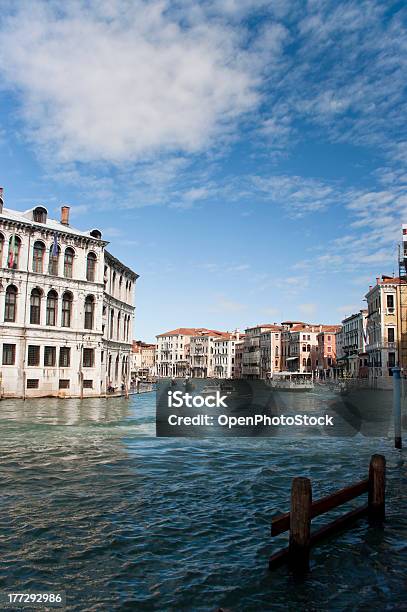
58, 289
172, 357
262, 351
224, 349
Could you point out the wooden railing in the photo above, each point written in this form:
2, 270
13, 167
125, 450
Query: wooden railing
303, 510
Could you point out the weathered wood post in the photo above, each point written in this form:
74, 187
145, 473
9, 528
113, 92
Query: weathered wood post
397, 407
377, 486
300, 525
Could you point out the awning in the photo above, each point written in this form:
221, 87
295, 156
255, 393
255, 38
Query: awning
291, 358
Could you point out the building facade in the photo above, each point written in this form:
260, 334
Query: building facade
143, 360
326, 353
54, 296
352, 359
383, 330
224, 354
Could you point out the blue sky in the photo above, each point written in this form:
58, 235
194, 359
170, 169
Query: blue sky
246, 158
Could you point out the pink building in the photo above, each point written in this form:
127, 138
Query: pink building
326, 352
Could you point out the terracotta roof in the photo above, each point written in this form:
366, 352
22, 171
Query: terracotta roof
190, 331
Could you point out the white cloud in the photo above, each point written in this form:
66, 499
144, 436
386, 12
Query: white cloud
120, 80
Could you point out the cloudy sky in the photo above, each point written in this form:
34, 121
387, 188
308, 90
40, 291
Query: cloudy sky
246, 158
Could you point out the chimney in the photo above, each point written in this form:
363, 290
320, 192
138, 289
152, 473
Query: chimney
65, 215
1, 199
377, 280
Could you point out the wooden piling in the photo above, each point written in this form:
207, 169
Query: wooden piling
300, 525
377, 486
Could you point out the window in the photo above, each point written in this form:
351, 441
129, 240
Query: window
10, 305
33, 355
88, 384
111, 323
91, 267
64, 383
390, 333
9, 354
64, 357
35, 307
14, 252
304, 362
118, 326
392, 360
38, 256
32, 383
53, 263
89, 311
68, 262
50, 354
390, 301
88, 357
52, 302
40, 214
66, 309
1, 249
114, 282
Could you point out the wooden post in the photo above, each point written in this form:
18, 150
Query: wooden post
377, 485
300, 525
397, 407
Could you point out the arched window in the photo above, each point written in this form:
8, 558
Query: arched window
67, 299
35, 306
91, 267
113, 282
120, 286
123, 367
89, 311
53, 263
118, 326
309, 362
308, 348
10, 306
14, 252
109, 370
52, 304
68, 262
116, 369
38, 256
40, 214
1, 249
304, 362
111, 323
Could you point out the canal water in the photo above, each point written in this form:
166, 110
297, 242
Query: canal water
93, 504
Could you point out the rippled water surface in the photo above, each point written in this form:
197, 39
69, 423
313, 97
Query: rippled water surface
92, 503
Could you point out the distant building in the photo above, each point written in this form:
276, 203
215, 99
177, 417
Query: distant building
224, 354
143, 360
172, 358
261, 351
352, 359
326, 353
66, 308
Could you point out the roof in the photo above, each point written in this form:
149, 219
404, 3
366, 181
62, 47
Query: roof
189, 331
51, 224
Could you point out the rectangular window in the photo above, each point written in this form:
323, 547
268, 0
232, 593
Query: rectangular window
64, 383
64, 357
392, 360
32, 383
33, 355
50, 353
390, 301
88, 384
88, 358
9, 354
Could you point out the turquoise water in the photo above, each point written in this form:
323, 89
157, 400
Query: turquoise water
93, 504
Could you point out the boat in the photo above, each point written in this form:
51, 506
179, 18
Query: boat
292, 381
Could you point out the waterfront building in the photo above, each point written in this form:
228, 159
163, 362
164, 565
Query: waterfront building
261, 351
224, 353
287, 326
383, 329
239, 350
143, 360
352, 358
326, 351
172, 358
66, 308
202, 349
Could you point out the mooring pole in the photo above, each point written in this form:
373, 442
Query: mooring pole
377, 487
300, 525
397, 407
